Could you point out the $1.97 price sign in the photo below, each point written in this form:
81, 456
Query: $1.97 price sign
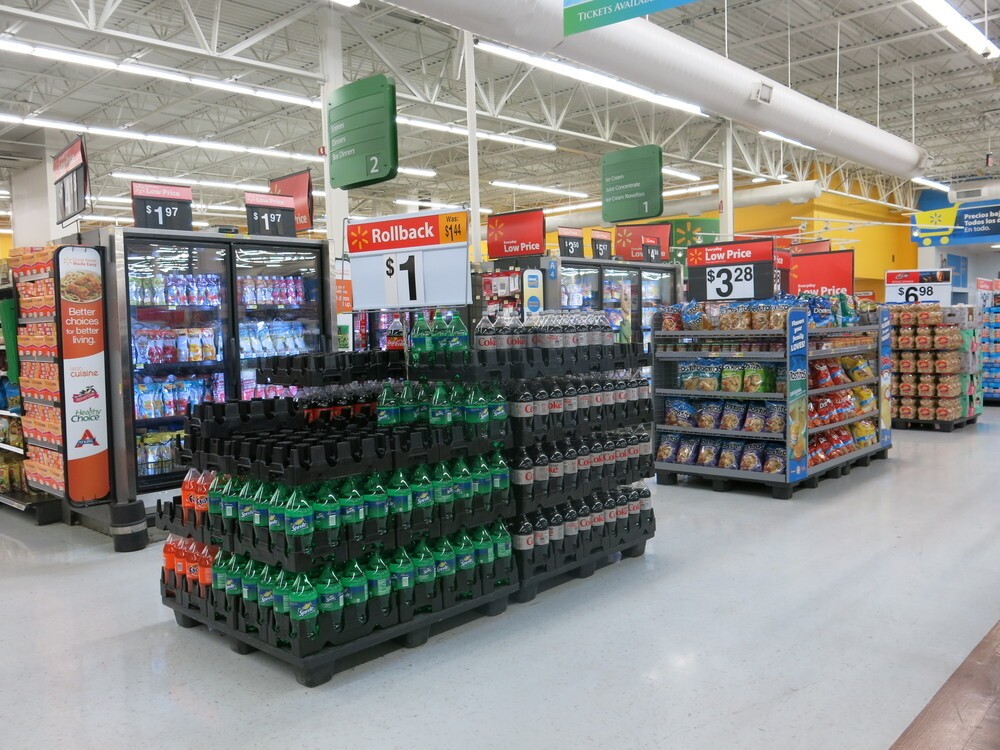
909, 287
158, 206
729, 271
270, 215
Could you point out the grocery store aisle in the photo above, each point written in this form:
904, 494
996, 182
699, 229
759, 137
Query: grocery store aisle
824, 622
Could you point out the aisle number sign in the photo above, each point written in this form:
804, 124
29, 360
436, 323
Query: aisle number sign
632, 184
729, 271
410, 261
364, 146
929, 285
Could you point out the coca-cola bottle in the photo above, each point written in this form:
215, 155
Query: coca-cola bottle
634, 508
597, 518
621, 397
540, 525
621, 512
522, 409
596, 402
645, 505
486, 335
524, 539
557, 531
503, 330
583, 469
541, 397
522, 477
583, 402
608, 406
571, 527
632, 397
556, 405
556, 470
584, 520
570, 469
551, 335
632, 464
607, 332
540, 463
645, 465
645, 405
596, 458
570, 404
621, 457
534, 326
518, 339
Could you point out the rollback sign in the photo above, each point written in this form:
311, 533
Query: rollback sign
80, 280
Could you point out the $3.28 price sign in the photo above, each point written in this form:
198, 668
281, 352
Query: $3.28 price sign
404, 279
730, 282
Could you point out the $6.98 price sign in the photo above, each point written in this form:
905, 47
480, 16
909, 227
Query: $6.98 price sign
916, 293
404, 279
730, 282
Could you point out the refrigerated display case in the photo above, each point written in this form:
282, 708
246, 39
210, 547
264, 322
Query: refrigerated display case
193, 310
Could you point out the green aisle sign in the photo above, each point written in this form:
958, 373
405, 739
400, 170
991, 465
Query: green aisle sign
632, 184
363, 148
584, 15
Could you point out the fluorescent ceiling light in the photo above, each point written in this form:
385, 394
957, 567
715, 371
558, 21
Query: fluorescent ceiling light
995, 247
924, 182
588, 76
758, 180
538, 189
232, 88
173, 140
346, 3
145, 70
75, 58
683, 175
416, 172
776, 137
41, 122
115, 219
433, 204
9, 45
693, 189
189, 181
14, 119
442, 127
572, 207
960, 27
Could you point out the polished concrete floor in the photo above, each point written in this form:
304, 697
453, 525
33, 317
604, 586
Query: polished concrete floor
828, 621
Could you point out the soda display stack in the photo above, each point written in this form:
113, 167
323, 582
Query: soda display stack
368, 512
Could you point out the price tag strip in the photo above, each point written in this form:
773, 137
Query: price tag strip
729, 271
909, 287
410, 261
158, 206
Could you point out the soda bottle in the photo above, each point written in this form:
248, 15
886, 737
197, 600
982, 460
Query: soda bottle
503, 330
621, 396
352, 508
596, 458
632, 395
181, 550
645, 504
329, 590
299, 519
201, 498
189, 489
220, 570
607, 331
265, 586
249, 578
540, 470
541, 398
500, 474
355, 583
645, 453
583, 521
444, 558
303, 604
234, 576
465, 551
570, 473
608, 408
400, 497
424, 394
440, 411
482, 484
621, 455
409, 407
394, 335
326, 509
502, 542
458, 336
377, 503
170, 554
457, 397
634, 508
540, 527
557, 531
261, 502
571, 526
555, 404
556, 469
444, 491
477, 414
423, 488
632, 449
622, 511
524, 538
387, 411
424, 563
518, 338
276, 511
582, 464
498, 405
483, 547
282, 592
583, 402
440, 332
379, 581
523, 476
522, 407
571, 404
486, 334
232, 493
645, 392
402, 570
597, 518
421, 342
216, 490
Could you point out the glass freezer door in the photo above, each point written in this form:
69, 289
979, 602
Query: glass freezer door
579, 287
657, 293
278, 307
620, 300
178, 305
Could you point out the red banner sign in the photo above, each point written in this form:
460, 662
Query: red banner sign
408, 231
161, 192
752, 251
515, 234
986, 285
782, 260
820, 246
70, 158
299, 187
822, 273
629, 239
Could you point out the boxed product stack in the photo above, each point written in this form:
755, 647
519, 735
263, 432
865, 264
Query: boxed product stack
937, 367
990, 338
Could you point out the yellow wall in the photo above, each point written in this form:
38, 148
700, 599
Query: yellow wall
6, 242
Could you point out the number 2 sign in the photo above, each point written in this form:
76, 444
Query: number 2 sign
728, 271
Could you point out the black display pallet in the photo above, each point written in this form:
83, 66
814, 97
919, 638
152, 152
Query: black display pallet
331, 369
780, 490
409, 619
933, 424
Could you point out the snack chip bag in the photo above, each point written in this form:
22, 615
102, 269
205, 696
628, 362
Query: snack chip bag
776, 412
732, 377
774, 459
732, 415
694, 317
820, 312
819, 374
857, 367
753, 457
687, 450
758, 377
708, 455
690, 375
708, 415
760, 315
683, 413
729, 456
865, 398
667, 450
756, 418
672, 320
837, 374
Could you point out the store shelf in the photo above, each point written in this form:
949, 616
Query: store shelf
712, 471
42, 319
832, 388
171, 308
45, 444
22, 500
35, 276
171, 368
160, 421
42, 488
762, 334
751, 356
272, 307
733, 434
842, 423
682, 392
843, 351
12, 415
848, 330
44, 402
30, 358
852, 456
12, 448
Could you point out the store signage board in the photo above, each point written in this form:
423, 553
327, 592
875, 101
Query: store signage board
157, 206
802, 248
410, 261
651, 252
885, 377
629, 239
600, 244
364, 146
69, 175
80, 284
929, 285
516, 234
270, 215
822, 273
584, 15
299, 186
532, 291
570, 242
728, 271
632, 184
797, 387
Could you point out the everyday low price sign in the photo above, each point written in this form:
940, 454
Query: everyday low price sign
822, 273
728, 271
932, 285
515, 234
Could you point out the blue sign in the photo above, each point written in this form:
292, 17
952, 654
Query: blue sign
942, 223
583, 15
959, 265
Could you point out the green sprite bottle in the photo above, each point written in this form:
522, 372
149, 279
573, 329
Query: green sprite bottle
402, 570
303, 604
424, 395
483, 544
215, 492
444, 558
230, 499
409, 406
423, 487
502, 546
299, 519
458, 335
276, 510
421, 340
439, 412
330, 590
498, 404
424, 563
379, 580
266, 585
234, 576
282, 592
444, 491
482, 484
465, 551
463, 485
220, 569
457, 398
387, 408
326, 508
246, 513
440, 331
262, 504
250, 578
400, 499
501, 477
477, 414
377, 502
355, 583
352, 508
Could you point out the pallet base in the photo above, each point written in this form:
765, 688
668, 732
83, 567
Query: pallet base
934, 424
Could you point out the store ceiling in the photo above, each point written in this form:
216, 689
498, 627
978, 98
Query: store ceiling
889, 51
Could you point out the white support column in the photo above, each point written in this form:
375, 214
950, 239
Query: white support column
337, 205
727, 211
33, 206
475, 233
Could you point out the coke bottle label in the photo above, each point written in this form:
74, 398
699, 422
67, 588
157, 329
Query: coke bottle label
621, 454
609, 456
523, 476
597, 519
611, 514
633, 451
597, 459
542, 408
555, 469
609, 338
633, 508
555, 406
573, 338
584, 401
486, 342
557, 533
572, 528
597, 399
646, 448
633, 393
523, 409
541, 538
584, 523
570, 465
582, 463
536, 340
552, 340
570, 403
524, 542
621, 396
646, 503
644, 390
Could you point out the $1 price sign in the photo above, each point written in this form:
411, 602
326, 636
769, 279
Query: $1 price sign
404, 279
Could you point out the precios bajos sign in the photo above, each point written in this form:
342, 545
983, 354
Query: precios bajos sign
583, 15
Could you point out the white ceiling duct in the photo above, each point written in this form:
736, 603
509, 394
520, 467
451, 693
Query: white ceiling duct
786, 192
642, 53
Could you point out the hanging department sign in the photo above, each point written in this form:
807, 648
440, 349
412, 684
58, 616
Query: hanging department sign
80, 283
823, 273
299, 186
584, 15
731, 270
632, 184
410, 261
69, 175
